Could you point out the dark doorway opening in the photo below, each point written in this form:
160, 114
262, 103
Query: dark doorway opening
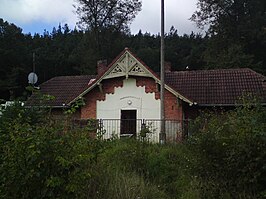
128, 122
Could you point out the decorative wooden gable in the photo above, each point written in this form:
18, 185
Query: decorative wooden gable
127, 65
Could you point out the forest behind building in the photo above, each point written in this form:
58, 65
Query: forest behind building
234, 37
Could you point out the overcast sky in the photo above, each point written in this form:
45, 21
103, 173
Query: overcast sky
37, 15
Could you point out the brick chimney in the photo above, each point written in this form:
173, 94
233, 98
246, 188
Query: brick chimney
167, 67
101, 66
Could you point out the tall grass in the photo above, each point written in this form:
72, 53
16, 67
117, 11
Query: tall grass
224, 159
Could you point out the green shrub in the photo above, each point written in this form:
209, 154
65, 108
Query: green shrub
116, 184
166, 165
40, 160
229, 153
127, 155
224, 159
162, 165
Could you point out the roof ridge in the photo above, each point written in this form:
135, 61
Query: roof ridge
66, 76
74, 76
256, 73
214, 70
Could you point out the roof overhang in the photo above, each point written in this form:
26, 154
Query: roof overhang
51, 106
225, 105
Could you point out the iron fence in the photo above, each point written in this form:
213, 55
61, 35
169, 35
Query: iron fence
146, 129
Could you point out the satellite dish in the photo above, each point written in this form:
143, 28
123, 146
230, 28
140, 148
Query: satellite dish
33, 78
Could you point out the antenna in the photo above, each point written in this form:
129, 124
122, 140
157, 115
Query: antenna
32, 77
33, 61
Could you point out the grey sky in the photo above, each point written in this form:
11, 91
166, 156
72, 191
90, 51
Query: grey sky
37, 15
177, 13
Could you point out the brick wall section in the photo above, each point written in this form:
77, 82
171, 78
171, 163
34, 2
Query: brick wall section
89, 110
150, 85
172, 110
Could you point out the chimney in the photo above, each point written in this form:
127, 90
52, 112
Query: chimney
167, 67
101, 66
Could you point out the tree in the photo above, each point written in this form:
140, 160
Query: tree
101, 14
104, 17
14, 60
230, 17
74, 52
238, 23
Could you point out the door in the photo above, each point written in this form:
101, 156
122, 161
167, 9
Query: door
128, 122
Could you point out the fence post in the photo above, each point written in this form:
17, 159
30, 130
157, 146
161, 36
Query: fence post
185, 129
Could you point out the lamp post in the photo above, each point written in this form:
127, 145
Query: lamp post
162, 133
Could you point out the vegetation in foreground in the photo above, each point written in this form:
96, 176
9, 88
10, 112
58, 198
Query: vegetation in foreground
224, 158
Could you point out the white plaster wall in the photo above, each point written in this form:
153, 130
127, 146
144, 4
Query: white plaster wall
145, 103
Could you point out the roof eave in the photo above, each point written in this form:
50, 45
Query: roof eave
154, 77
43, 106
224, 105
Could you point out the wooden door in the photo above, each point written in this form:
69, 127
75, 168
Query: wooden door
128, 122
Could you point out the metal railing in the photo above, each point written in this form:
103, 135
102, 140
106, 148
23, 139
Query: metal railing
146, 129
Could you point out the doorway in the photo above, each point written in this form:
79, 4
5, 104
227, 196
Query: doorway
128, 122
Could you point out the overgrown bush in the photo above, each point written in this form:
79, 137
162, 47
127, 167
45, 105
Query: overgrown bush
41, 160
127, 155
229, 153
113, 183
162, 165
225, 158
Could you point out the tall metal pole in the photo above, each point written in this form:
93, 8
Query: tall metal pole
162, 133
33, 62
33, 66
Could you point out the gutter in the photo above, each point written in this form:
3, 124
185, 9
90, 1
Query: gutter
62, 106
226, 105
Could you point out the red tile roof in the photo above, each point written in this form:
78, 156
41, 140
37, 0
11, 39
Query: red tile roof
63, 88
217, 87
205, 87
202, 87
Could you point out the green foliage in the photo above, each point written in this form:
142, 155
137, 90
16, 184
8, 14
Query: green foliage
113, 15
40, 160
116, 184
228, 153
237, 30
73, 52
236, 38
75, 106
164, 166
104, 20
17, 113
144, 132
13, 58
128, 155
224, 158
229, 56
